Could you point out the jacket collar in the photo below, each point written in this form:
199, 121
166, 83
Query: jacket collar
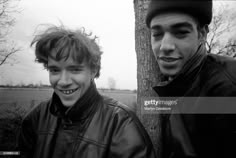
83, 108
182, 82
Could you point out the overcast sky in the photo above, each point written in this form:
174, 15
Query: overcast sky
111, 20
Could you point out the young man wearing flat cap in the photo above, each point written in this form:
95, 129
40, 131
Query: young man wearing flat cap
203, 123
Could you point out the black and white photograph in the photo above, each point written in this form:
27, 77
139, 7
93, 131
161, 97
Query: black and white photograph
117, 78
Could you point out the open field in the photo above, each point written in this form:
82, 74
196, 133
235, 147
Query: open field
29, 97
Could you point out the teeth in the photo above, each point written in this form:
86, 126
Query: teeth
68, 91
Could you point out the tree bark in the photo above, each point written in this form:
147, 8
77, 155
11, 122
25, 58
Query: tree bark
148, 74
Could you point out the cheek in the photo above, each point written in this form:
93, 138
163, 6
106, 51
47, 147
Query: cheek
155, 48
53, 80
83, 79
187, 48
192, 50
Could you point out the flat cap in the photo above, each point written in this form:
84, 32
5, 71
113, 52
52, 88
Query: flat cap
201, 10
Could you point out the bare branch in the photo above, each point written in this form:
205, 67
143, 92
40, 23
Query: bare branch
7, 20
220, 26
13, 50
4, 1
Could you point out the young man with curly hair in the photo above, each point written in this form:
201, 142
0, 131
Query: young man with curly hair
77, 121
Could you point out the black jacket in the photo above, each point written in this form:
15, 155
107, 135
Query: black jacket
204, 126
96, 127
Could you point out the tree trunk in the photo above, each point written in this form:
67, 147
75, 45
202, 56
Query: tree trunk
147, 74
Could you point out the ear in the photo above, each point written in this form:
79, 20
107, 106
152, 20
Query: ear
203, 33
94, 73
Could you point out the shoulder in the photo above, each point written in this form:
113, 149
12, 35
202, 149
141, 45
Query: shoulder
44, 105
34, 114
123, 118
126, 135
117, 108
219, 74
225, 64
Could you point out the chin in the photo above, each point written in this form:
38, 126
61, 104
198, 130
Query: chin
68, 103
169, 73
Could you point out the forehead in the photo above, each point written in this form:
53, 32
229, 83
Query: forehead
166, 20
69, 61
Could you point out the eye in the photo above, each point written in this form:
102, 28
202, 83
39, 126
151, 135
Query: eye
157, 35
75, 70
181, 33
53, 70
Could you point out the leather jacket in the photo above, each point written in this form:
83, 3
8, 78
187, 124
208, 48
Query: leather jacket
197, 134
96, 127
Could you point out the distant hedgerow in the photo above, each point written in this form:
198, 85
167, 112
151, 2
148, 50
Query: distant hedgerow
11, 115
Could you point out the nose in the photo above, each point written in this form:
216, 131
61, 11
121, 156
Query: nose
64, 79
167, 43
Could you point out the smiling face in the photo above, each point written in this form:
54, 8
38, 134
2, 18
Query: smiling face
175, 39
69, 79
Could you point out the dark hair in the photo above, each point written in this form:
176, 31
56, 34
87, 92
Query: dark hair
61, 43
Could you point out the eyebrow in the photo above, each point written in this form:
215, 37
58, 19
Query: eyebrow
69, 66
183, 24
51, 67
174, 26
76, 66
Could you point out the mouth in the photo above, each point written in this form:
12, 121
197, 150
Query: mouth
69, 91
169, 59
